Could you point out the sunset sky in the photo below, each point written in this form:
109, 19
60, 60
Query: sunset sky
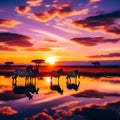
70, 30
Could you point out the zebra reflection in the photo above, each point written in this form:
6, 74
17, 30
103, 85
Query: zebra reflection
73, 83
56, 87
57, 73
28, 89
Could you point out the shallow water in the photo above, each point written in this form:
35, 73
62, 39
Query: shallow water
72, 100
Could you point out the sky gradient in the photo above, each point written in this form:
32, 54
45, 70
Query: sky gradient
70, 30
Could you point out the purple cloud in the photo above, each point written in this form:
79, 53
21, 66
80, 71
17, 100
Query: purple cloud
12, 39
88, 41
103, 22
105, 56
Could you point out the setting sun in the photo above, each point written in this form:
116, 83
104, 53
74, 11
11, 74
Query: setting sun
51, 60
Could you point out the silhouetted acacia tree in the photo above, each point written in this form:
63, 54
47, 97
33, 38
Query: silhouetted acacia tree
8, 64
38, 62
96, 63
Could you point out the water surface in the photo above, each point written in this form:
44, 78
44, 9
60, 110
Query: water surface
66, 100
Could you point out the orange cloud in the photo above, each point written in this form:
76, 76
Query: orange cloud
5, 48
7, 111
92, 1
8, 23
49, 40
34, 2
44, 49
42, 116
22, 9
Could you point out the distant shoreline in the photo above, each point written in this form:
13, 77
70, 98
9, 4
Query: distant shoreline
84, 70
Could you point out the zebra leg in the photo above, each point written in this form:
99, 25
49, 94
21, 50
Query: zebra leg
70, 80
16, 78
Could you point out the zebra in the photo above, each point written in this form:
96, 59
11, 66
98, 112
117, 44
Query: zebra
74, 74
57, 73
22, 73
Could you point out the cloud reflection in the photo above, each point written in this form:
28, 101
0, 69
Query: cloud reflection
6, 110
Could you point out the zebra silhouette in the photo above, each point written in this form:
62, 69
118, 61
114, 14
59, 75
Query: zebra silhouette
57, 73
22, 73
73, 74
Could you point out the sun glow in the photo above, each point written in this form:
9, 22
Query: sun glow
51, 60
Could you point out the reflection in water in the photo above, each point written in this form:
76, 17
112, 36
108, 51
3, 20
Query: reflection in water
56, 87
73, 104
73, 85
28, 89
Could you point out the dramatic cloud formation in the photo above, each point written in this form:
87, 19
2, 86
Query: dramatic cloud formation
12, 39
34, 2
7, 110
88, 41
102, 22
8, 23
22, 9
59, 11
111, 55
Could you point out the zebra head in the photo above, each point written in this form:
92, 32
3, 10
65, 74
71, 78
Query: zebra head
61, 71
29, 68
78, 73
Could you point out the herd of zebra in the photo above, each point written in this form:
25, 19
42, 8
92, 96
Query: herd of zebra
30, 73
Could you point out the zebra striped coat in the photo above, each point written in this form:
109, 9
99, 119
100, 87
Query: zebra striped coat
22, 73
